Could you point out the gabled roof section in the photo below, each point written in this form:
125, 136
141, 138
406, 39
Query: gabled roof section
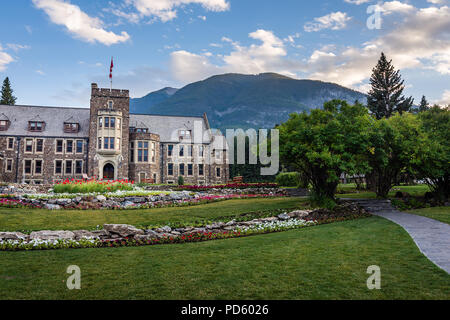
54, 117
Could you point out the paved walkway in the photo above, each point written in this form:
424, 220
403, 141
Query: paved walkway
431, 236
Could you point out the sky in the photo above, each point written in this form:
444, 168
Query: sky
52, 50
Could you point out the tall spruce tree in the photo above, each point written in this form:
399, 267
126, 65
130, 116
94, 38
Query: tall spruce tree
424, 106
386, 95
7, 93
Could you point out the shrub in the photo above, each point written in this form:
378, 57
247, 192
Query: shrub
288, 179
180, 181
91, 186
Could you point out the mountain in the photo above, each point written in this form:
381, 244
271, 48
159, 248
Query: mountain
143, 104
245, 101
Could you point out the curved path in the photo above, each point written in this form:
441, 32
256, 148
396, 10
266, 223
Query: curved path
431, 236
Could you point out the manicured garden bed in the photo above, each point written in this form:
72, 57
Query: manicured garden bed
323, 262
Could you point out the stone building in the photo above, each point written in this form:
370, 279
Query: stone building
40, 145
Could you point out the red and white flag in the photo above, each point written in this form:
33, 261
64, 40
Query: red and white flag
111, 68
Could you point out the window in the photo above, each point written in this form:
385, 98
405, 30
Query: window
100, 122
69, 146
169, 150
39, 145
201, 170
105, 143
4, 125
181, 151
201, 151
9, 165
58, 166
38, 167
218, 172
79, 146
99, 143
217, 155
71, 127
78, 167
170, 169
112, 122
59, 146
142, 151
36, 126
181, 169
27, 167
10, 144
190, 169
119, 124
141, 130
110, 104
185, 134
68, 167
189, 150
111, 143
132, 151
29, 145
106, 122
153, 152
118, 146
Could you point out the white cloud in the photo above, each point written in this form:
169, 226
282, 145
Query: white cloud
166, 10
445, 99
334, 21
40, 72
78, 23
5, 59
395, 6
17, 47
358, 2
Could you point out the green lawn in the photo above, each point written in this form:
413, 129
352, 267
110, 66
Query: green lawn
438, 213
322, 262
418, 190
33, 219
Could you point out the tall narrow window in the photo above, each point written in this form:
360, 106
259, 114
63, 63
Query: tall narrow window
142, 151
100, 122
111, 143
27, 166
9, 165
170, 169
112, 122
106, 122
201, 151
201, 170
169, 150
181, 169
105, 143
59, 146
79, 146
28, 145
218, 172
39, 145
69, 146
58, 166
38, 167
153, 152
78, 167
189, 150
99, 143
69, 167
181, 153
132, 151
190, 169
10, 143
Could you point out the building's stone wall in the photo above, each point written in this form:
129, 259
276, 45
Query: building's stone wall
150, 169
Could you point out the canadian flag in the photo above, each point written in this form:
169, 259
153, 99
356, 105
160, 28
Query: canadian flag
111, 68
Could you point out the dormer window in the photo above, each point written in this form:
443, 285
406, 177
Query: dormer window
4, 125
110, 104
36, 126
141, 130
71, 127
185, 134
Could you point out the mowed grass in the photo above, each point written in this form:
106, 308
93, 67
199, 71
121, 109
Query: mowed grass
34, 219
438, 213
321, 262
418, 190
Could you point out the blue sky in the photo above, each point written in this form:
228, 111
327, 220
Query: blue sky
53, 49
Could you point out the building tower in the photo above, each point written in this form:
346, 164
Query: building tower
108, 133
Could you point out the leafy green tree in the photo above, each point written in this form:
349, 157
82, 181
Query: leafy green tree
7, 93
386, 95
323, 144
432, 157
424, 106
392, 145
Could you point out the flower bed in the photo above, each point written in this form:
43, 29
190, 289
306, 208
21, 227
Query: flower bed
92, 186
229, 186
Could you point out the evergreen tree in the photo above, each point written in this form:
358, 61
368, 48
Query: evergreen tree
7, 93
386, 95
424, 106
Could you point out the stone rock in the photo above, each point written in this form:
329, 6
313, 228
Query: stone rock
145, 237
123, 230
52, 235
299, 213
52, 206
83, 234
283, 216
63, 202
12, 236
231, 223
101, 198
165, 229
136, 199
102, 234
152, 234
128, 204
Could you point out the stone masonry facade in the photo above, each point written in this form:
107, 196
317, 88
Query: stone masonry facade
41, 145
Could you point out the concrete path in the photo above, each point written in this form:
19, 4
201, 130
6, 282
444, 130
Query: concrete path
431, 236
